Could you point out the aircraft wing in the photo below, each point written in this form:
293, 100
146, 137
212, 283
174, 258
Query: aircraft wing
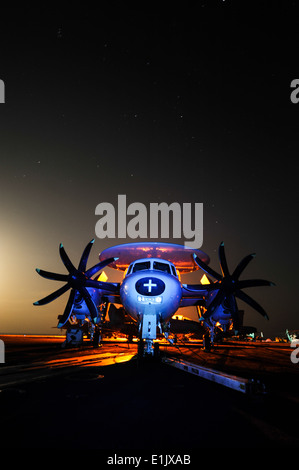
109, 290
196, 294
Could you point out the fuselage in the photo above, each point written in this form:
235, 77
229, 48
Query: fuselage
151, 285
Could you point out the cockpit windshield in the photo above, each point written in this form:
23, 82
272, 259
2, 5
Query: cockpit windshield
161, 267
152, 264
141, 266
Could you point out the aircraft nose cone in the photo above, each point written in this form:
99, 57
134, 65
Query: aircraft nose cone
150, 286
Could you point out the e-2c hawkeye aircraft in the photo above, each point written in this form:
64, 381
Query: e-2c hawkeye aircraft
151, 291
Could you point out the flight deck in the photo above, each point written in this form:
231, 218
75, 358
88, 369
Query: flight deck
105, 398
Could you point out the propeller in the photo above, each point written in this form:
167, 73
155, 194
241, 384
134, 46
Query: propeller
229, 286
77, 280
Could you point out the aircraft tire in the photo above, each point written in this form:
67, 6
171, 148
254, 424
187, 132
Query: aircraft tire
140, 348
157, 352
206, 342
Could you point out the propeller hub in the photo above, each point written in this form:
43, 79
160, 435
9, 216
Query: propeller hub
78, 280
228, 283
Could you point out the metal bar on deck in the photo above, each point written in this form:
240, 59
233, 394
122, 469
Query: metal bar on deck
231, 381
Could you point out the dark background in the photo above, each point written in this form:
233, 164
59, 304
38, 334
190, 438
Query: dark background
186, 105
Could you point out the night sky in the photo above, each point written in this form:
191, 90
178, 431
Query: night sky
189, 105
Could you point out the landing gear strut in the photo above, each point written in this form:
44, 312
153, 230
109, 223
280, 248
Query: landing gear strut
147, 332
206, 342
147, 348
140, 348
97, 337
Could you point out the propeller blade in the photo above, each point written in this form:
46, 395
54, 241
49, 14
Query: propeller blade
254, 283
206, 268
68, 309
248, 300
223, 262
214, 304
85, 255
53, 296
234, 311
89, 302
97, 267
242, 265
65, 259
230, 307
53, 276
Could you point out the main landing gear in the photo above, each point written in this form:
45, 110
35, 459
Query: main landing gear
206, 342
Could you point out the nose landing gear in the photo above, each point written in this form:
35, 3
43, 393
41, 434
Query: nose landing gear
148, 333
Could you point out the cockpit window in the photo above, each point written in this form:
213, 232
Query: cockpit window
161, 267
173, 271
141, 266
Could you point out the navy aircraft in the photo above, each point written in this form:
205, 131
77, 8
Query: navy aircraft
151, 291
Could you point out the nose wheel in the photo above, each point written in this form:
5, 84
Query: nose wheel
148, 349
206, 342
145, 348
140, 348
